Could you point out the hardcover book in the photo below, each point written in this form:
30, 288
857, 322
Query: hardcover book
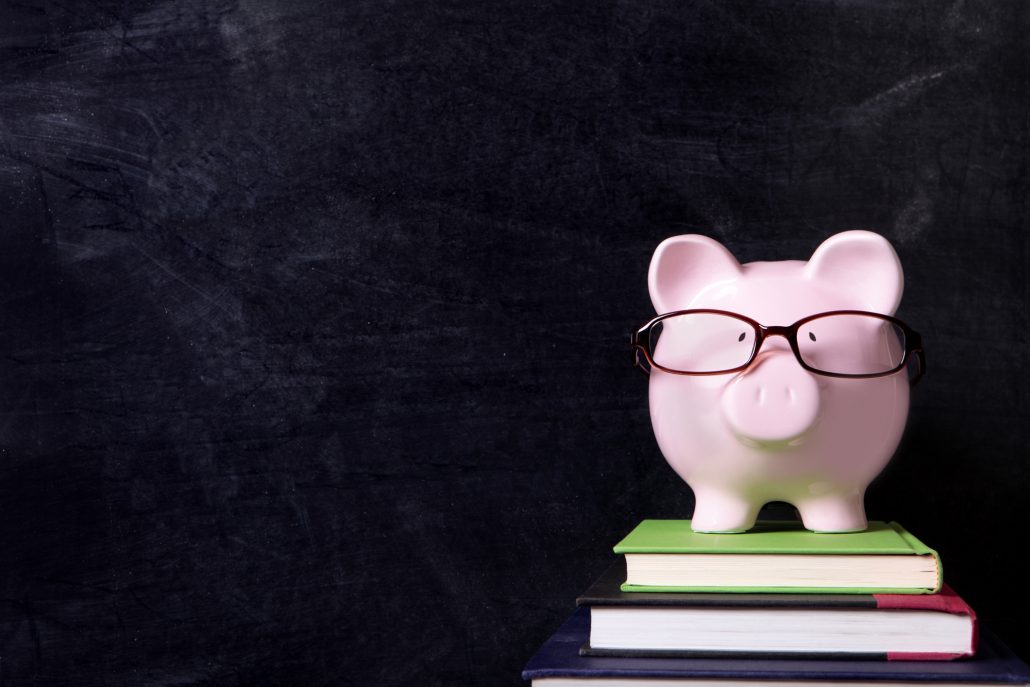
778, 557
558, 663
871, 626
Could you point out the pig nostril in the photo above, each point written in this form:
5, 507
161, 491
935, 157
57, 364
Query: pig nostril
790, 394
760, 395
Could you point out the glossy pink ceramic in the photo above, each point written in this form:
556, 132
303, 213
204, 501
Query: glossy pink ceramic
776, 432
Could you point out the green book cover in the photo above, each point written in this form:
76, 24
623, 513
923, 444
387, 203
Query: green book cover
676, 537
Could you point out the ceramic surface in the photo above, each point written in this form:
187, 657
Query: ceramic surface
774, 431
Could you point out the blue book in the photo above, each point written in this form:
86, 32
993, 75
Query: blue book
558, 664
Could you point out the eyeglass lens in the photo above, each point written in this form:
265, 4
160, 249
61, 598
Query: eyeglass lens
851, 344
702, 342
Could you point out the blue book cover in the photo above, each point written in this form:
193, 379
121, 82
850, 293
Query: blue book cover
559, 658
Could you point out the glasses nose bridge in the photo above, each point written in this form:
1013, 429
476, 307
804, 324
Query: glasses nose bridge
785, 332
777, 331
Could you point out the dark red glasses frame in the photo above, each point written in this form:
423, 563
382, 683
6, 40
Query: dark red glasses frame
913, 343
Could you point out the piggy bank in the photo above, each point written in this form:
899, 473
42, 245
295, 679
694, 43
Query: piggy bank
778, 381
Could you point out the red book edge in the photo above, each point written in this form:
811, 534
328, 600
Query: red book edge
944, 601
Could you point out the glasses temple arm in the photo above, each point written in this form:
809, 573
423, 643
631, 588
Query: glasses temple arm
638, 350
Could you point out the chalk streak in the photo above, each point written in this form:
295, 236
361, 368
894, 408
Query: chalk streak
167, 270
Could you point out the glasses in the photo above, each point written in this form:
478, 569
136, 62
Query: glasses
842, 343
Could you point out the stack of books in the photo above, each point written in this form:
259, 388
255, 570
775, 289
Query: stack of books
777, 604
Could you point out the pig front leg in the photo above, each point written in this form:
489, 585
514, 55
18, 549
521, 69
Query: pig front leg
718, 511
834, 512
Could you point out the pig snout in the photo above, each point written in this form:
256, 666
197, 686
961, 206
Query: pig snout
775, 400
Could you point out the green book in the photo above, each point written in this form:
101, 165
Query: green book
778, 557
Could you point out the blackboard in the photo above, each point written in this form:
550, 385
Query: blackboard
314, 314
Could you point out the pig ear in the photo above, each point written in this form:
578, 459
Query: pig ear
683, 266
862, 267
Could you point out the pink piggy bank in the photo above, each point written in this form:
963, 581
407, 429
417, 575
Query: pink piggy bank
778, 381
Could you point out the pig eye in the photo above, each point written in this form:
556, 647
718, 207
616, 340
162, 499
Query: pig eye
741, 337
811, 336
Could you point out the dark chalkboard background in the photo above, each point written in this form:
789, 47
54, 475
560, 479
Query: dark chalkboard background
314, 313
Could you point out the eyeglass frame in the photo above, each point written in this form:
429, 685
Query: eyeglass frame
913, 343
